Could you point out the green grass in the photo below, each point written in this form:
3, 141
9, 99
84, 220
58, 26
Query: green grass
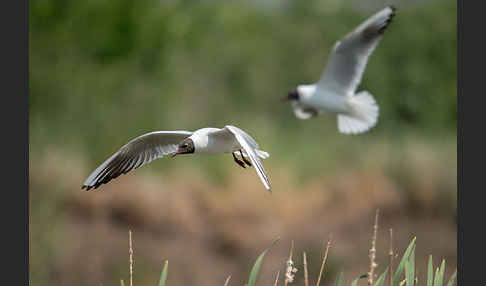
163, 275
400, 277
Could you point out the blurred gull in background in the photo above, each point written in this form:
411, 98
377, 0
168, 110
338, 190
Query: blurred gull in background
335, 91
148, 147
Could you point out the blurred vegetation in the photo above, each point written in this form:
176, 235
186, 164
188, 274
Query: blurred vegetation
103, 72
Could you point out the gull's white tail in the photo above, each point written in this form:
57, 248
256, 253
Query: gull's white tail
363, 114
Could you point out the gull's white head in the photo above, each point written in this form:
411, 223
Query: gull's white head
303, 90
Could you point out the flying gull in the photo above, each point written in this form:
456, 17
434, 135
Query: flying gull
148, 147
335, 93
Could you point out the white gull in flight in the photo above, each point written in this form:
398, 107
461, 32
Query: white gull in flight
335, 91
148, 147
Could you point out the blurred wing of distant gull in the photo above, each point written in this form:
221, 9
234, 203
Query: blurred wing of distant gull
349, 56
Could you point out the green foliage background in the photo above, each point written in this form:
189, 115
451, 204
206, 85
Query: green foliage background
103, 72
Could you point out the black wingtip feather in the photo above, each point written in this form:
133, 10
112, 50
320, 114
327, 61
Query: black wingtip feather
86, 187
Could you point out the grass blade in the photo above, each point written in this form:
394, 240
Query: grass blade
306, 273
436, 277
390, 254
440, 279
430, 272
122, 283
402, 262
409, 273
289, 270
411, 270
130, 252
452, 279
381, 279
355, 281
256, 269
163, 275
372, 252
276, 278
226, 283
340, 279
324, 258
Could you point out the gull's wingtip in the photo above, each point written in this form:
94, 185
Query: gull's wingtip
392, 14
86, 187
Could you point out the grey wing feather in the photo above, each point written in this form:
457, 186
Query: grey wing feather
136, 153
248, 146
349, 56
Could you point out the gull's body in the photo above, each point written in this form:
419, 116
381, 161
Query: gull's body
335, 92
206, 142
148, 147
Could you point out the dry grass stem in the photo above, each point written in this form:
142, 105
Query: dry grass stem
226, 283
306, 274
290, 270
373, 250
390, 253
324, 258
276, 278
130, 251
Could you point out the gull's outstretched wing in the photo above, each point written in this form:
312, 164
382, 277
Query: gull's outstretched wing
349, 56
250, 147
138, 152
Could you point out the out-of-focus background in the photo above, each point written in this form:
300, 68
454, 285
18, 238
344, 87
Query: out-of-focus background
103, 72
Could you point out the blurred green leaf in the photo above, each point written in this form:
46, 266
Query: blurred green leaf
382, 278
410, 269
452, 279
430, 272
436, 277
256, 269
408, 273
440, 274
400, 267
355, 281
163, 275
340, 279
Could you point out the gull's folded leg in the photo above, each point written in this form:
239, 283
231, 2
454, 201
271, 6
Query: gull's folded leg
238, 161
244, 159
